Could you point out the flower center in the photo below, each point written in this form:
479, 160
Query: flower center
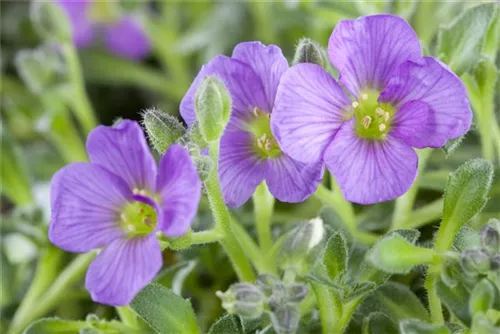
373, 119
265, 145
104, 11
138, 219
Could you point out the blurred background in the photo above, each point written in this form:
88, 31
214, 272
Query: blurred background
53, 93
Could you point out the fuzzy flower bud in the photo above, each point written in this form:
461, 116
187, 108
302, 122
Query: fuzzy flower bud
40, 68
50, 21
285, 319
475, 261
163, 130
245, 300
309, 51
299, 242
212, 107
490, 236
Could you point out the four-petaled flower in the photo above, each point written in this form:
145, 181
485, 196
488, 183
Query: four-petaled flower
122, 34
249, 153
118, 202
401, 101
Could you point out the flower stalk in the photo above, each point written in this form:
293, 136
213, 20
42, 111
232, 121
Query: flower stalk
263, 202
223, 221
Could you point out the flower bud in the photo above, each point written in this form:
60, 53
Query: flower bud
490, 236
475, 261
212, 107
495, 263
285, 319
50, 21
450, 272
295, 292
162, 129
40, 68
245, 300
309, 51
193, 135
266, 283
204, 165
299, 242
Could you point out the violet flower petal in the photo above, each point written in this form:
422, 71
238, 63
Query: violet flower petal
368, 49
370, 171
122, 269
127, 38
81, 24
179, 186
243, 83
124, 151
86, 200
411, 124
240, 169
267, 61
309, 109
292, 181
430, 81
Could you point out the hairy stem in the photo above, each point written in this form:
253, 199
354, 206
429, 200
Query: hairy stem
263, 203
223, 221
346, 213
57, 292
404, 204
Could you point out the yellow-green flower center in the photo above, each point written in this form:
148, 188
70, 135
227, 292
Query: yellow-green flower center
264, 143
137, 219
373, 119
104, 11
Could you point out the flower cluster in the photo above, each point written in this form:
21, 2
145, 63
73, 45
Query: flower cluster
121, 34
287, 122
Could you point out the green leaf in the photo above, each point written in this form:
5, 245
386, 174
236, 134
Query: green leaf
55, 326
482, 297
460, 42
394, 254
396, 301
490, 46
377, 323
456, 300
466, 238
227, 324
361, 290
165, 311
335, 256
416, 326
174, 276
465, 195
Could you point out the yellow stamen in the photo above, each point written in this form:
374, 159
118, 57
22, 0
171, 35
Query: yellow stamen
355, 104
382, 127
366, 121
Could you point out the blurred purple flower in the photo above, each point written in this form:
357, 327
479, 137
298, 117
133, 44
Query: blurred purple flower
401, 101
249, 154
121, 34
118, 202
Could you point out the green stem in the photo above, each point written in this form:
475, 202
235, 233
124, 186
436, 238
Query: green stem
46, 272
426, 214
404, 204
346, 213
189, 239
83, 108
263, 203
330, 309
223, 221
253, 251
347, 312
435, 307
57, 291
127, 316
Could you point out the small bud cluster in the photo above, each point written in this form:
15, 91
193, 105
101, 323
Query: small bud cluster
269, 294
486, 259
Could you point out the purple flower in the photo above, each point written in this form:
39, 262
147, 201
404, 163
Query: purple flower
118, 202
122, 34
249, 153
401, 101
